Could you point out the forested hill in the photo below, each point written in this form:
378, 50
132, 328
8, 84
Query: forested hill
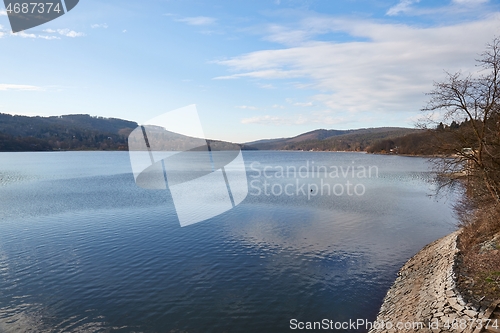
74, 132
69, 132
84, 132
333, 140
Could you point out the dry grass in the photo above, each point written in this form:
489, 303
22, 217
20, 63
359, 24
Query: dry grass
478, 264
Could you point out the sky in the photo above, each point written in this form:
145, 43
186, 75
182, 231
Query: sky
254, 69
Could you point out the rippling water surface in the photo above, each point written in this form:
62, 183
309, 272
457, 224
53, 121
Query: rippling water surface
83, 249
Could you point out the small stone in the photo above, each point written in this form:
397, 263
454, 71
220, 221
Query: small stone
470, 313
457, 307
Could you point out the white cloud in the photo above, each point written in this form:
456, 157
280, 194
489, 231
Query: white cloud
63, 32
96, 26
283, 35
3, 13
226, 77
23, 34
19, 87
48, 37
207, 32
247, 107
401, 7
124, 31
469, 2
385, 74
298, 119
303, 104
266, 86
263, 74
70, 33
454, 9
198, 20
265, 120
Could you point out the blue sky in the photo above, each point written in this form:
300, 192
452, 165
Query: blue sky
255, 69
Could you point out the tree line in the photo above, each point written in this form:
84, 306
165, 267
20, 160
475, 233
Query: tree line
69, 132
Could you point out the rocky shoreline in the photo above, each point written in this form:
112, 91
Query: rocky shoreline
424, 297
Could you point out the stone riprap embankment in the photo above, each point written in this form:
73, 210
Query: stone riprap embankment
424, 298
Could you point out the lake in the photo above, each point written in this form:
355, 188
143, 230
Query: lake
84, 249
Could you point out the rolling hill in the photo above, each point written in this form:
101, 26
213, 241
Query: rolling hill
68, 132
333, 140
78, 132
84, 132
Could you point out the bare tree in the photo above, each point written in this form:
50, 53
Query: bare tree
471, 102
